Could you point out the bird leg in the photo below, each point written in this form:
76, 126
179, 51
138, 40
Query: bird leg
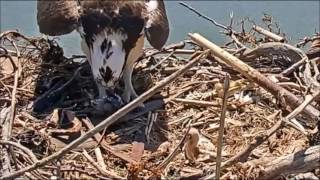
101, 90
129, 91
133, 56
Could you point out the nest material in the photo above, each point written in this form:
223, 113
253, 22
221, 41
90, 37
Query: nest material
140, 148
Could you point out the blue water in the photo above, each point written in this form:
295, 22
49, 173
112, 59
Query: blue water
296, 18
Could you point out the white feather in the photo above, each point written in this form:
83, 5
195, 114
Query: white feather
152, 5
115, 62
117, 10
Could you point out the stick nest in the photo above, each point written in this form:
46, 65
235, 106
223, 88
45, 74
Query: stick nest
51, 106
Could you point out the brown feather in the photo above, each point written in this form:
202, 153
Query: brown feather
158, 32
57, 17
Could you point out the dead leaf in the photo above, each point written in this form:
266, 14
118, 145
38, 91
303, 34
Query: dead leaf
6, 66
54, 120
191, 146
137, 151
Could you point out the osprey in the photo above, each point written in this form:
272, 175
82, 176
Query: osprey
112, 33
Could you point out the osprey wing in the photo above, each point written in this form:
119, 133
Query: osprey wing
157, 27
57, 17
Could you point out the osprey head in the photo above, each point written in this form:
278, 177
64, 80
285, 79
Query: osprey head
112, 34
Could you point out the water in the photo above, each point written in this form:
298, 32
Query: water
297, 18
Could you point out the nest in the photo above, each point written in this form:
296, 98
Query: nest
46, 104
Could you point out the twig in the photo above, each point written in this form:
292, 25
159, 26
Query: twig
308, 99
153, 52
17, 34
196, 102
14, 91
9, 125
98, 137
6, 168
301, 161
24, 149
222, 122
306, 40
230, 31
152, 117
163, 60
97, 166
204, 16
175, 152
111, 119
294, 66
269, 34
241, 156
236, 40
239, 51
311, 78
100, 159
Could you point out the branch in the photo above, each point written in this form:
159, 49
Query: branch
17, 34
269, 34
205, 17
24, 149
222, 123
301, 161
294, 66
98, 137
6, 134
100, 169
175, 152
230, 31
